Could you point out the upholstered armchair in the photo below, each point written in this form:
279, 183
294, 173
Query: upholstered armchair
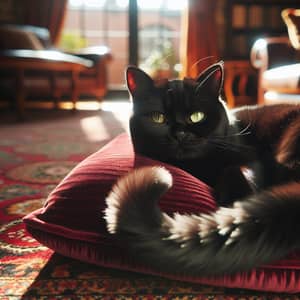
32, 68
278, 62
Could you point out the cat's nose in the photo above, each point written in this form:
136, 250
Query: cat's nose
180, 134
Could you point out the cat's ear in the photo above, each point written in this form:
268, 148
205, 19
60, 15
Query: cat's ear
138, 82
211, 79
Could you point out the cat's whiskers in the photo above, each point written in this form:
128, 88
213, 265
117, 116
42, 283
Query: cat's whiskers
229, 146
243, 132
246, 128
201, 60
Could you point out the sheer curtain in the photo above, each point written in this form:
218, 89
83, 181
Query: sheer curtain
199, 37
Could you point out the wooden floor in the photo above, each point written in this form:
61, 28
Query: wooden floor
38, 110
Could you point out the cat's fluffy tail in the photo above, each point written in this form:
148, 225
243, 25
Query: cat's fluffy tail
255, 231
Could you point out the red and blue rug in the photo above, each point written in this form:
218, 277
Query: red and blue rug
34, 157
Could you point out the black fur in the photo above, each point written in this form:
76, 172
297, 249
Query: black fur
262, 221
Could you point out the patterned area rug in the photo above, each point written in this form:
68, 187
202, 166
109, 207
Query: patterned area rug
34, 157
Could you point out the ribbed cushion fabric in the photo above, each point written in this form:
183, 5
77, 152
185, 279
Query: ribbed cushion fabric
71, 221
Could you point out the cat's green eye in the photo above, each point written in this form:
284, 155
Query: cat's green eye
197, 116
158, 117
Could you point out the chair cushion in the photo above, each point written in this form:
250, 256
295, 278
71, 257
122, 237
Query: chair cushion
291, 18
285, 79
12, 37
71, 221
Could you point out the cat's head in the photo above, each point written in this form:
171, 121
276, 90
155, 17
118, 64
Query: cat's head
177, 119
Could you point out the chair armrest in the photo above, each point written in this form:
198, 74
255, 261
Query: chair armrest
95, 53
46, 56
272, 52
269, 53
98, 73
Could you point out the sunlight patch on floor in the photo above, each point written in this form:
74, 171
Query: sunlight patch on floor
123, 107
94, 129
88, 105
121, 110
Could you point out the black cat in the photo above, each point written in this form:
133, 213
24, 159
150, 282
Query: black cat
250, 156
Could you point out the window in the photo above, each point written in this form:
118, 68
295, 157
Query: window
98, 22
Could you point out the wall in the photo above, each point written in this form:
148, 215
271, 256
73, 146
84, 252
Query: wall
10, 11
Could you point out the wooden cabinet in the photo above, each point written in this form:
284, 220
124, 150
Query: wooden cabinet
245, 21
248, 20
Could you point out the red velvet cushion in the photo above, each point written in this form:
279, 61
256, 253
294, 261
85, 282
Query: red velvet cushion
71, 222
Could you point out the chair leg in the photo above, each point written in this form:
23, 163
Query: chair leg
20, 95
74, 93
56, 94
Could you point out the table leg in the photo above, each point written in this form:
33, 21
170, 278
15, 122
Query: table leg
74, 93
20, 94
55, 91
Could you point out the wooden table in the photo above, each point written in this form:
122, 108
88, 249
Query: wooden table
20, 61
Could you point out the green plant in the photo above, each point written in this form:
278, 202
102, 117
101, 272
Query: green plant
72, 41
161, 59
